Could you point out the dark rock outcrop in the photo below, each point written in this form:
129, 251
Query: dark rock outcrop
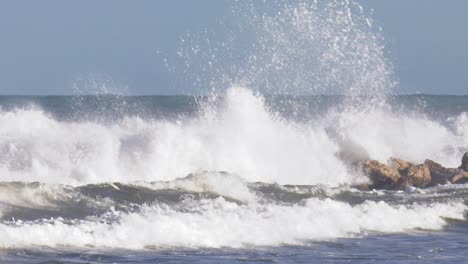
440, 174
461, 177
381, 175
464, 165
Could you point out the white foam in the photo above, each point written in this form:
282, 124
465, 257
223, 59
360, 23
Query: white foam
242, 137
382, 134
224, 184
218, 223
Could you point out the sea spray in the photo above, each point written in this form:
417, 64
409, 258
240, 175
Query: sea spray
298, 47
241, 136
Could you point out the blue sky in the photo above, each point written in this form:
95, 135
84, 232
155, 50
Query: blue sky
46, 46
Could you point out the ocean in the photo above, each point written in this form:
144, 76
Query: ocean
240, 177
259, 169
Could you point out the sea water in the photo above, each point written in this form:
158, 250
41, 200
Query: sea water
254, 169
247, 179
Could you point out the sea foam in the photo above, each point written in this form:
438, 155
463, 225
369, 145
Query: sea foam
242, 136
218, 223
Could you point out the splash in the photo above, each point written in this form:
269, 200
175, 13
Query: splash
299, 47
241, 135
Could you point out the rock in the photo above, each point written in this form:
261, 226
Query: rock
432, 165
461, 177
419, 176
464, 165
381, 175
440, 174
400, 165
402, 175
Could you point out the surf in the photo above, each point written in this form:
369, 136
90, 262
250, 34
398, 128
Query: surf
261, 149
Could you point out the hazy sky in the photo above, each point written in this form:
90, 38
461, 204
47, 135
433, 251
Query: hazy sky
47, 46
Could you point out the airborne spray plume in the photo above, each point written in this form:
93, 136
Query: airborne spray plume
303, 47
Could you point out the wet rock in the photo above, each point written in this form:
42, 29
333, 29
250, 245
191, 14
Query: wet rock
403, 175
400, 165
419, 176
464, 165
381, 175
461, 177
440, 174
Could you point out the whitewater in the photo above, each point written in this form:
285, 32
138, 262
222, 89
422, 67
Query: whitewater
241, 136
218, 176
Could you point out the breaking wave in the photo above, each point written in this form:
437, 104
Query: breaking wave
210, 210
241, 136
